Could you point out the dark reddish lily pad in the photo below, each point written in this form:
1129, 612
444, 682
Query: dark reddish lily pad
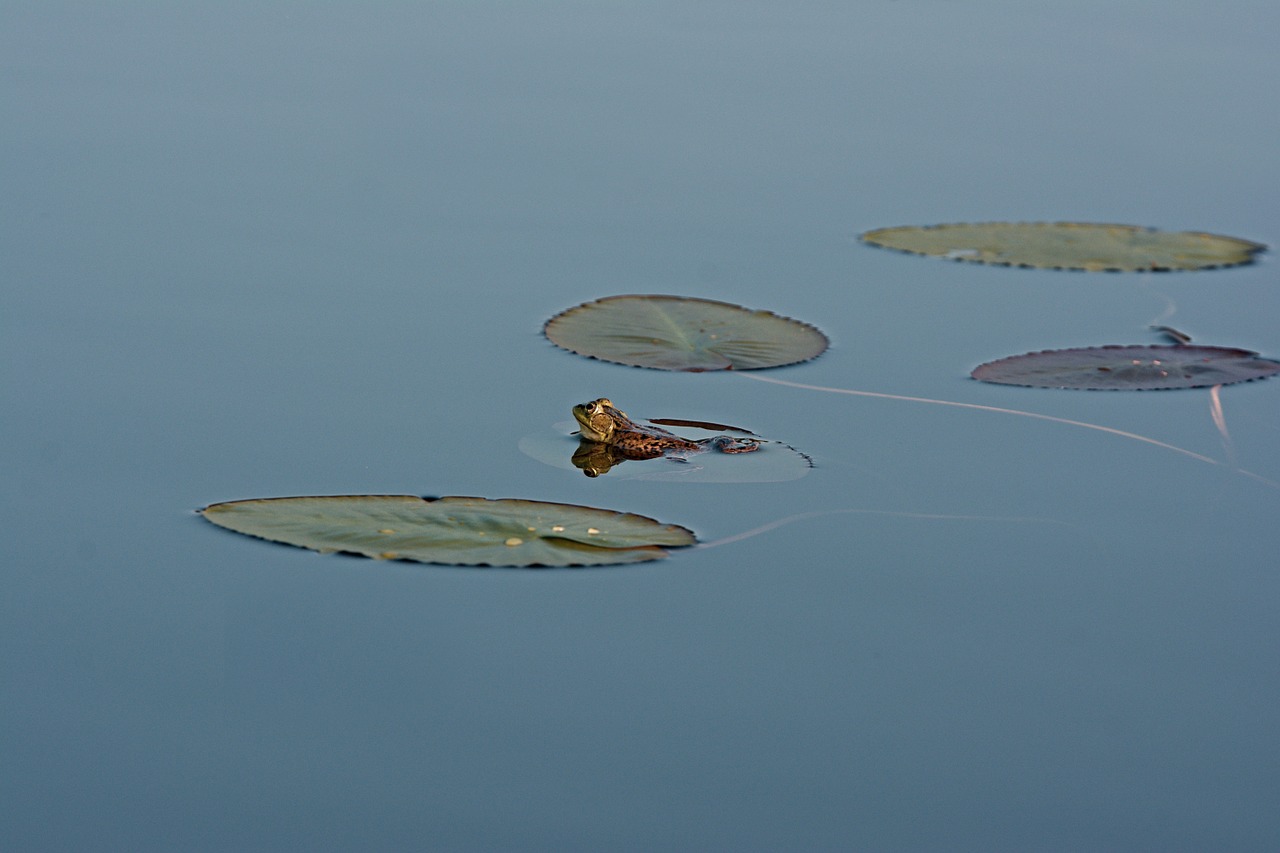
708, 425
1128, 368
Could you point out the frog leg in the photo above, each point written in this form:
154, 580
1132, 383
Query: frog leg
730, 444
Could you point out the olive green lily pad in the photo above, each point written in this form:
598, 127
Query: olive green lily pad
462, 531
1128, 368
1069, 245
683, 333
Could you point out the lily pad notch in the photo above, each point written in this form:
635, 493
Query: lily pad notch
461, 531
1091, 247
683, 333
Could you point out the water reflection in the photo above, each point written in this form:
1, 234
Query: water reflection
594, 458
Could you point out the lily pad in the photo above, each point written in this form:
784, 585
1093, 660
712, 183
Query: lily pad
1131, 368
1069, 245
683, 333
462, 531
707, 425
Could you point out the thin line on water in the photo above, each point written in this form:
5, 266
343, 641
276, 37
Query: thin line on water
925, 516
1002, 411
1220, 421
1170, 307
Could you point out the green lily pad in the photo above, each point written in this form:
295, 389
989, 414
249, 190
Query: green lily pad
1128, 368
460, 531
1069, 245
683, 333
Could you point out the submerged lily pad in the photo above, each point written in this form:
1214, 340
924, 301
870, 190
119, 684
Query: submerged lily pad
1069, 245
460, 531
683, 333
1132, 368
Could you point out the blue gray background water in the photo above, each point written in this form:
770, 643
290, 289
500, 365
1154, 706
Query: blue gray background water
253, 250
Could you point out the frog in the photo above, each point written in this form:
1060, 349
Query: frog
608, 437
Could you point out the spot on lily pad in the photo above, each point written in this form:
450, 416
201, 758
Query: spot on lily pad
1069, 245
462, 531
1131, 368
683, 333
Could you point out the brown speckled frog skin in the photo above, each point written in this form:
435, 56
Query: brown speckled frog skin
602, 423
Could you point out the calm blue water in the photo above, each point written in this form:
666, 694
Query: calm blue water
301, 249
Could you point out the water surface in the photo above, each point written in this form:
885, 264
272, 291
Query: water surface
308, 250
